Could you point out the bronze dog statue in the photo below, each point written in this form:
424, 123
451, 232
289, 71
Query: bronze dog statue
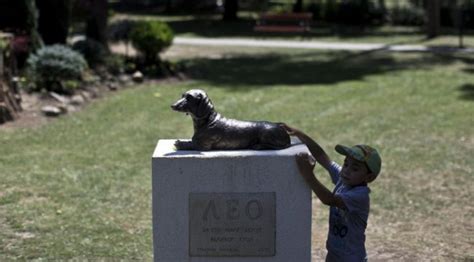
214, 132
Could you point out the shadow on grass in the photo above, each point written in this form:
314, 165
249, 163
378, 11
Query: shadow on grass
467, 92
469, 70
307, 68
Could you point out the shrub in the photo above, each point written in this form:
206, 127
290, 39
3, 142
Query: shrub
353, 12
120, 30
93, 51
3, 45
71, 84
150, 38
115, 64
407, 16
282, 8
315, 9
468, 16
329, 11
360, 12
52, 64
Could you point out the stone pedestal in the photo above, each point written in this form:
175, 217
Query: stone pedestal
242, 205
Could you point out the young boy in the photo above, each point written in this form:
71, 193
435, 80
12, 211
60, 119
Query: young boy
349, 201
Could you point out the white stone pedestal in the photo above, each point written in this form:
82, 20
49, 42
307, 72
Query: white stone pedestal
242, 205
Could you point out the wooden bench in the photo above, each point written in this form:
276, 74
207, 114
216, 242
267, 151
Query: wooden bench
284, 22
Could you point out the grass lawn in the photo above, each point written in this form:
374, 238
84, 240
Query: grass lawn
80, 187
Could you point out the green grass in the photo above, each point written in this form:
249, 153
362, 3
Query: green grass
80, 187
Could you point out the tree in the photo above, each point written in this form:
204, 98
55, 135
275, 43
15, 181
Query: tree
54, 19
298, 6
382, 5
96, 27
10, 98
230, 10
32, 25
433, 14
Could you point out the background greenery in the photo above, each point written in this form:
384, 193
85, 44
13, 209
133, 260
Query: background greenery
213, 26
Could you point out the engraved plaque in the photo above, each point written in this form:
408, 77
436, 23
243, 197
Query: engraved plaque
232, 224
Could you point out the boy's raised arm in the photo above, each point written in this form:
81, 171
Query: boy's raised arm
318, 153
306, 167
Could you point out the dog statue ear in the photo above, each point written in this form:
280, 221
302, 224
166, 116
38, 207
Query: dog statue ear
204, 107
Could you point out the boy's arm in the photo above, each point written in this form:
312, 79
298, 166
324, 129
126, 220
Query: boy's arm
321, 157
327, 197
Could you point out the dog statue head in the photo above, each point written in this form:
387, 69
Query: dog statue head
194, 102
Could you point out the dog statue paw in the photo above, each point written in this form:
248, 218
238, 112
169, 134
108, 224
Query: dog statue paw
184, 145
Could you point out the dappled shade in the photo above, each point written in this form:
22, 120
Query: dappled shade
467, 91
304, 68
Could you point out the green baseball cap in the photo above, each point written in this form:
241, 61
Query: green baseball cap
364, 153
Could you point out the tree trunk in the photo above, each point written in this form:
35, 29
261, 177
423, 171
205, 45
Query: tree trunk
168, 6
53, 22
10, 98
382, 5
32, 24
298, 6
454, 12
230, 10
96, 27
433, 14
187, 5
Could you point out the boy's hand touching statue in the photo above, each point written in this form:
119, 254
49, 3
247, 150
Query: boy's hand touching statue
306, 165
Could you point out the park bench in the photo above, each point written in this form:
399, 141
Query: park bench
284, 22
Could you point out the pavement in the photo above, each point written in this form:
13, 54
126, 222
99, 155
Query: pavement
304, 44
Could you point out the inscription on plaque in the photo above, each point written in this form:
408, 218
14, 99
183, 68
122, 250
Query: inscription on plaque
232, 224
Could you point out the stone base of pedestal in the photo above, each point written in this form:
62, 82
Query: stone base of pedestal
242, 205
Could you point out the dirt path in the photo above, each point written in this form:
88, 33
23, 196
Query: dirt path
315, 45
335, 46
